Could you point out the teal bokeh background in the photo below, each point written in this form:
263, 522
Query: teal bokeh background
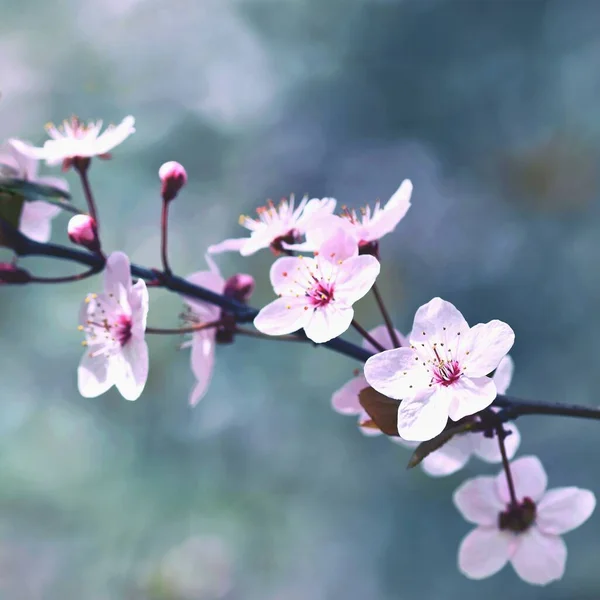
491, 108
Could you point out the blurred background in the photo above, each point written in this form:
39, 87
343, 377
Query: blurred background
262, 492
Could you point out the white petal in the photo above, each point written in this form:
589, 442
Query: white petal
438, 321
485, 346
483, 552
478, 501
282, 316
230, 245
345, 401
356, 277
450, 458
139, 301
117, 274
93, 376
564, 509
528, 476
339, 246
262, 238
328, 322
382, 335
202, 361
539, 559
425, 416
35, 221
315, 209
504, 374
131, 372
391, 214
28, 149
318, 231
397, 373
285, 276
487, 448
470, 395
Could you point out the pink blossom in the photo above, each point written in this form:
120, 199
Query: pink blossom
346, 400
317, 294
527, 535
443, 373
203, 343
114, 323
75, 139
82, 231
276, 225
173, 177
455, 454
36, 216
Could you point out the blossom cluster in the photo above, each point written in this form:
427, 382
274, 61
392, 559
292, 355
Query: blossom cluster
441, 378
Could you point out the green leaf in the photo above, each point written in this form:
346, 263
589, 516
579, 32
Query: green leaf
11, 206
382, 410
424, 449
30, 190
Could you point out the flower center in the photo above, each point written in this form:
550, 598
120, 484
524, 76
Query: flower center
446, 372
293, 236
107, 328
518, 518
320, 294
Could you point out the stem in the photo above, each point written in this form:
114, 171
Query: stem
386, 317
81, 166
274, 338
164, 222
68, 278
501, 435
367, 336
515, 407
191, 329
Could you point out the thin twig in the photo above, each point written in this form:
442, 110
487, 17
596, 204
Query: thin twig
501, 435
67, 278
164, 226
190, 329
386, 317
367, 336
264, 336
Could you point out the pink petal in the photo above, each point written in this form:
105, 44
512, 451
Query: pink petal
391, 214
564, 509
202, 361
93, 376
450, 458
117, 274
285, 274
485, 346
313, 210
356, 277
138, 301
230, 245
397, 373
483, 552
470, 395
339, 246
438, 321
35, 221
423, 417
282, 316
131, 372
345, 401
487, 449
56, 182
478, 501
504, 374
328, 322
528, 476
539, 559
381, 334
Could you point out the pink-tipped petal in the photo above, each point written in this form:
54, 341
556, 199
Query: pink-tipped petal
117, 274
483, 552
539, 559
564, 509
36, 220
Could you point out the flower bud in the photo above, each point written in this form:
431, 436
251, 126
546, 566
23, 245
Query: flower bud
10, 273
173, 177
82, 231
239, 287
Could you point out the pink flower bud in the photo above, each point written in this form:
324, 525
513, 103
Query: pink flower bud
82, 231
9, 273
240, 287
173, 177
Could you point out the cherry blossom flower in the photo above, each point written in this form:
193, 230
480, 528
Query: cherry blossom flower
526, 535
114, 323
36, 216
346, 401
203, 343
443, 373
317, 294
277, 225
77, 140
366, 226
455, 454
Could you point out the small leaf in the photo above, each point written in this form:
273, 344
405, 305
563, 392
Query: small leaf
382, 410
11, 206
424, 449
31, 190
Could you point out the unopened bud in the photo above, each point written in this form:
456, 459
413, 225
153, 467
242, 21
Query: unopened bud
239, 287
10, 273
173, 177
82, 231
